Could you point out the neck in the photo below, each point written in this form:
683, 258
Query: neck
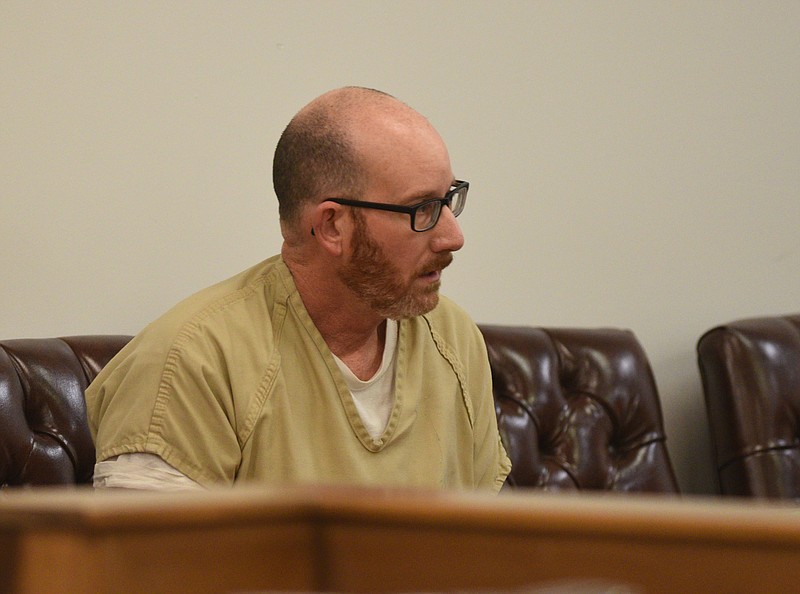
352, 331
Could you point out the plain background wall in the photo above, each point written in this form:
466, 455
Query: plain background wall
633, 164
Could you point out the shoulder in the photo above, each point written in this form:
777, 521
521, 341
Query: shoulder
456, 335
232, 316
236, 292
460, 342
453, 324
236, 301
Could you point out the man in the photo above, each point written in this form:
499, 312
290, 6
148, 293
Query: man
336, 362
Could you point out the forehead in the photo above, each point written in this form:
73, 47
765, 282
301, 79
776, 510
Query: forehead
404, 157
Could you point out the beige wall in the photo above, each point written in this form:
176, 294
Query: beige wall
632, 163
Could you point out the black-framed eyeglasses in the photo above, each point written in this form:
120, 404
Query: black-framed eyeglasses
424, 215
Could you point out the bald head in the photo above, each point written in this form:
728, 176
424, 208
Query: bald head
323, 151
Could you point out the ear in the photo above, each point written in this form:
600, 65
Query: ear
329, 227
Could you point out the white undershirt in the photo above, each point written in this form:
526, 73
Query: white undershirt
140, 471
374, 400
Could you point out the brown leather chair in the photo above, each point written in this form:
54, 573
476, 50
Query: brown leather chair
750, 370
577, 409
44, 436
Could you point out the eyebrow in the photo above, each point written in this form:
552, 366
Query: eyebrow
416, 199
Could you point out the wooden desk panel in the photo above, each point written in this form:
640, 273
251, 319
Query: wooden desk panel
351, 540
370, 559
93, 543
649, 544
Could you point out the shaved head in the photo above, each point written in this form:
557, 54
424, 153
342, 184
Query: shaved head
321, 153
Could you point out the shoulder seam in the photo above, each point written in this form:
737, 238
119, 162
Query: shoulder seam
175, 352
455, 363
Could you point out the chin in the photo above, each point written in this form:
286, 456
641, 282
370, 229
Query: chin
423, 305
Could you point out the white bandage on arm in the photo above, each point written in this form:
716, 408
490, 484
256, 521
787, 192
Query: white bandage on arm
140, 471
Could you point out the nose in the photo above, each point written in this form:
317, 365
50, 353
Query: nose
448, 236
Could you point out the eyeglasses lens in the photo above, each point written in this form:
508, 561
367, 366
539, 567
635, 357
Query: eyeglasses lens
427, 215
459, 200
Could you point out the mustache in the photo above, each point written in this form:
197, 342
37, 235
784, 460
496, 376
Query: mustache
440, 262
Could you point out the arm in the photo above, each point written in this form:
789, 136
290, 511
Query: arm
142, 472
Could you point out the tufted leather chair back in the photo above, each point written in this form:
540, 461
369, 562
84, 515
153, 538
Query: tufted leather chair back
44, 435
751, 380
578, 409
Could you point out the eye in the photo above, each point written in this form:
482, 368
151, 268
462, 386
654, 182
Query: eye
427, 214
